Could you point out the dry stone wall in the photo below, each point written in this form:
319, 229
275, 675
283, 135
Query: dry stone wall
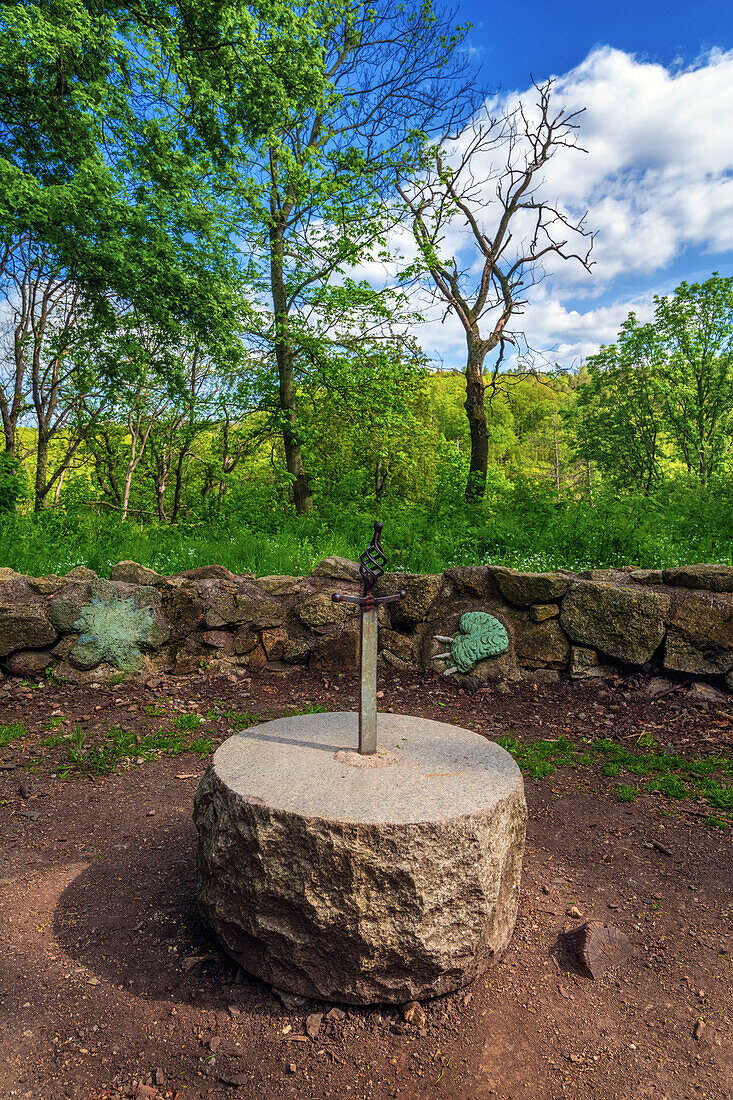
83, 627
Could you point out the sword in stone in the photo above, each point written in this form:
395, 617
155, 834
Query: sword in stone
371, 568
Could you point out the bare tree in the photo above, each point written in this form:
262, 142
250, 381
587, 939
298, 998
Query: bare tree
487, 179
40, 375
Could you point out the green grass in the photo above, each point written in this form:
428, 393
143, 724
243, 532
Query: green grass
238, 720
11, 733
119, 748
522, 524
675, 777
187, 722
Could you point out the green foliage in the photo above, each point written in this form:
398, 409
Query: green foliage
13, 483
120, 748
11, 733
664, 393
676, 777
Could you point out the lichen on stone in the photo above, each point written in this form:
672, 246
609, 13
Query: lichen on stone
112, 629
479, 636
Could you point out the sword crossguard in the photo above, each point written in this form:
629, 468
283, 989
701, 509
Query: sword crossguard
369, 600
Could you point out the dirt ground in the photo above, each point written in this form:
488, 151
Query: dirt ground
110, 987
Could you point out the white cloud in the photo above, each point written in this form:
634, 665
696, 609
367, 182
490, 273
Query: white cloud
657, 182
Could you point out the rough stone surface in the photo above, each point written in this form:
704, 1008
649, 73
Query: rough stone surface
586, 665
700, 635
338, 569
250, 606
355, 884
526, 588
132, 573
542, 641
24, 628
297, 651
29, 662
647, 576
337, 650
401, 645
421, 592
472, 580
713, 578
538, 612
627, 624
319, 610
282, 586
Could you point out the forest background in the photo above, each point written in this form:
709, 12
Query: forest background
194, 367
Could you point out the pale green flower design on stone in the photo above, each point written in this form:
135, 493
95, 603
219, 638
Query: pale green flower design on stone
479, 636
115, 629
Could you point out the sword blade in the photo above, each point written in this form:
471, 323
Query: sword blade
368, 688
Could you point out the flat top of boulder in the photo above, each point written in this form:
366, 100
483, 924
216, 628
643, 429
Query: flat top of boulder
715, 578
208, 572
133, 573
298, 765
340, 569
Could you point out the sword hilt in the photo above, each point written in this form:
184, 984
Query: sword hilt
369, 600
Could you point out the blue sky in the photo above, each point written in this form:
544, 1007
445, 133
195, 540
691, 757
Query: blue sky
656, 82
544, 38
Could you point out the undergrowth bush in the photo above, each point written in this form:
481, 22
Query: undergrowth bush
520, 524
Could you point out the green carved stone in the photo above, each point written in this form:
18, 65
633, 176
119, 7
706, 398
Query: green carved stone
115, 629
479, 636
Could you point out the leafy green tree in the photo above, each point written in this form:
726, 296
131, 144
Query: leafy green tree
618, 419
108, 141
664, 391
693, 339
311, 200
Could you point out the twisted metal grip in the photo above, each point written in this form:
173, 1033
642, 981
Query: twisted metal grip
371, 568
373, 560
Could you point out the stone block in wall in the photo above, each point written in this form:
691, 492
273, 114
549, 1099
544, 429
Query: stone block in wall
132, 573
48, 585
273, 643
24, 627
209, 572
245, 640
523, 589
421, 592
283, 586
396, 662
249, 605
712, 578
337, 569
700, 635
626, 623
646, 576
297, 651
401, 645
182, 609
585, 664
539, 642
320, 610
538, 612
338, 650
220, 640
29, 662
471, 580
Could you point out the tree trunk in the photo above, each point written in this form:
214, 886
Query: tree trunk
284, 355
41, 492
557, 453
476, 412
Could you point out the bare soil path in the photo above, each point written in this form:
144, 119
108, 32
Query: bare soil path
109, 986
